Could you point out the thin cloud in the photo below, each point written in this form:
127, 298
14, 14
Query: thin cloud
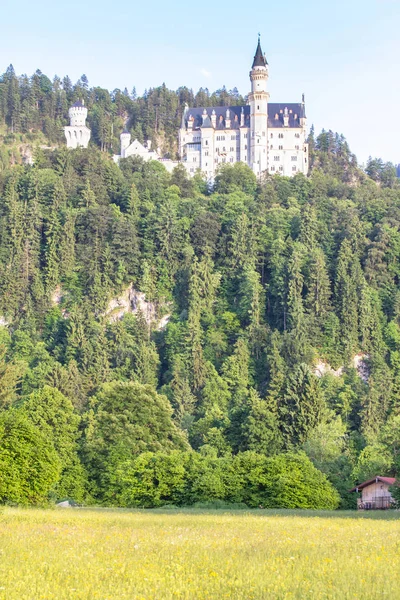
206, 73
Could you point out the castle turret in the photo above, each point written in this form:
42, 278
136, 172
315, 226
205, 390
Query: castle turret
125, 138
78, 114
77, 134
258, 101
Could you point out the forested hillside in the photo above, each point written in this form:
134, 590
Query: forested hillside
261, 323
35, 109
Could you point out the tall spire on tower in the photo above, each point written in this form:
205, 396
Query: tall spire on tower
259, 57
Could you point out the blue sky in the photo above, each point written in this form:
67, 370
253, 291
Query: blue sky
344, 55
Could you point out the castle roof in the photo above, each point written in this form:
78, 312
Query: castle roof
276, 112
207, 123
78, 104
259, 57
220, 116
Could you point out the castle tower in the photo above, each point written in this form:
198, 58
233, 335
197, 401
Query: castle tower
258, 101
125, 138
77, 134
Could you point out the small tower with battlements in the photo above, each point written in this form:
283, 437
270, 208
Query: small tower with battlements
125, 138
76, 133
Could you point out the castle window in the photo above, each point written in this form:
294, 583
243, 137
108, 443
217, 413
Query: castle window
192, 170
245, 147
206, 153
280, 147
271, 146
271, 136
233, 137
280, 136
224, 149
231, 159
245, 135
263, 133
294, 158
297, 147
281, 168
294, 168
273, 168
297, 135
258, 108
206, 143
194, 159
232, 149
276, 158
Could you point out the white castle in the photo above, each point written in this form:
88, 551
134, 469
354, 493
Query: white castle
145, 152
269, 138
76, 132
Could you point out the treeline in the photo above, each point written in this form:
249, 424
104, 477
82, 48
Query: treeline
35, 105
261, 283
34, 110
39, 456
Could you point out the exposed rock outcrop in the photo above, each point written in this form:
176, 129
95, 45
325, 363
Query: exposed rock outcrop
324, 368
358, 362
132, 301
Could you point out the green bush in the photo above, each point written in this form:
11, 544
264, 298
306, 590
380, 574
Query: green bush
150, 480
127, 420
249, 479
29, 465
53, 414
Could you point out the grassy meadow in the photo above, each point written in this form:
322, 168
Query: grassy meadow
90, 554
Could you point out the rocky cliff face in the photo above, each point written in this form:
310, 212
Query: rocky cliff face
133, 301
359, 362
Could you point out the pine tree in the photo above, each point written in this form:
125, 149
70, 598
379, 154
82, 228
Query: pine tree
10, 374
347, 286
297, 345
301, 406
260, 430
317, 298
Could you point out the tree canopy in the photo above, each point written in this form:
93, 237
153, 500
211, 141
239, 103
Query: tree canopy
145, 316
